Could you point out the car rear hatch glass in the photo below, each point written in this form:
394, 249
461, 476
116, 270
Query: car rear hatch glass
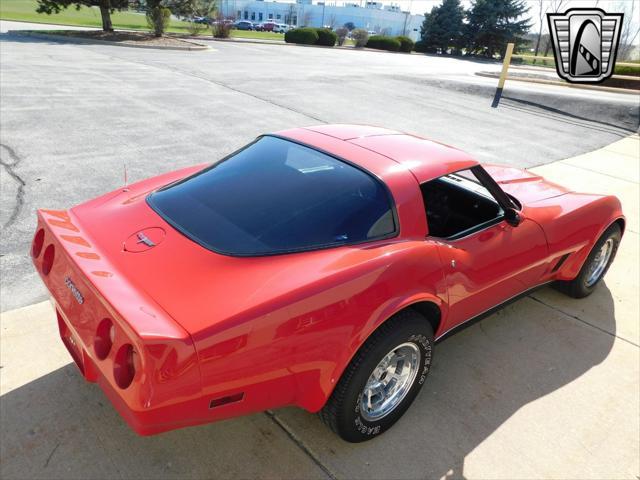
277, 196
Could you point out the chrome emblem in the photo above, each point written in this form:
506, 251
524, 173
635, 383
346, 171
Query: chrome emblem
74, 290
585, 43
142, 238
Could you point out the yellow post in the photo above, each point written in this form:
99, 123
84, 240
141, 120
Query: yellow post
503, 75
505, 66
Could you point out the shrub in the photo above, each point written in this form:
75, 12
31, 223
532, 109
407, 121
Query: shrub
380, 42
158, 19
342, 33
406, 44
304, 36
221, 28
326, 37
627, 70
360, 36
422, 47
195, 28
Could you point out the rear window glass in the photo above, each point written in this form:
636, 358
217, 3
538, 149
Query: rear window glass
276, 196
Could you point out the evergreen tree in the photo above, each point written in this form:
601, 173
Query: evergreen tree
491, 24
442, 27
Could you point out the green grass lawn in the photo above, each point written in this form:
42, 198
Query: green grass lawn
618, 70
25, 11
260, 35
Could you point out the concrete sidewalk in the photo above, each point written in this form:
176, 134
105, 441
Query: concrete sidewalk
546, 388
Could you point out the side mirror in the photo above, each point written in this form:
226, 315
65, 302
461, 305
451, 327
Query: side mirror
512, 216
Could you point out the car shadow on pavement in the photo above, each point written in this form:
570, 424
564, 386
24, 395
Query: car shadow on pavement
626, 117
58, 426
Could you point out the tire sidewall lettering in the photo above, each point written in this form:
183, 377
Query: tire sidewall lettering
374, 428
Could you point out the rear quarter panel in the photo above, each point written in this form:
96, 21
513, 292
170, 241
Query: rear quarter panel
333, 319
292, 349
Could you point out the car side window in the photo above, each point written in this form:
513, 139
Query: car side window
457, 204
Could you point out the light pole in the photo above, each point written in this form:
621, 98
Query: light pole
406, 19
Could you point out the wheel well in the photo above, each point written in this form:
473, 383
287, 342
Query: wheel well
430, 311
621, 224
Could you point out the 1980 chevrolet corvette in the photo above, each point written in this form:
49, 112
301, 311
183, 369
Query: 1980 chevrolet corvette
314, 267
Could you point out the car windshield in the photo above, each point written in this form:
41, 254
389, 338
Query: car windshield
276, 196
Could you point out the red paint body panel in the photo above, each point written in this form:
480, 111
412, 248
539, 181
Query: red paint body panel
279, 330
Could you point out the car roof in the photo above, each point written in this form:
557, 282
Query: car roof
425, 159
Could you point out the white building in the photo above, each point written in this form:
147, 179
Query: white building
373, 16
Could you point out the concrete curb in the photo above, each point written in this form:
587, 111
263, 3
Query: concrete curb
283, 43
561, 84
88, 41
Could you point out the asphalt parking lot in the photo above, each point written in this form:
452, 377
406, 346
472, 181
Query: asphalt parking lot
546, 388
73, 116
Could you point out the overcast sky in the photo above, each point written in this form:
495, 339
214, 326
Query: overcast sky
613, 6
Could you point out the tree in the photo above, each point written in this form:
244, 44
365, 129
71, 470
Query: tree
494, 23
199, 14
554, 6
107, 7
360, 37
333, 20
349, 26
342, 33
158, 16
442, 27
159, 12
189, 8
629, 31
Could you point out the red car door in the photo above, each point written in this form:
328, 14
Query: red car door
490, 251
491, 266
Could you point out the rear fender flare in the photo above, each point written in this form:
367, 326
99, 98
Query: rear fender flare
380, 316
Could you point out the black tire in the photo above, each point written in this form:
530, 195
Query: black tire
580, 287
342, 412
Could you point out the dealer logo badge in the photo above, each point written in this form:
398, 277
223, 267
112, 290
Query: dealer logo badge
585, 42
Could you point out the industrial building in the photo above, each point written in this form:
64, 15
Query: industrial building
373, 16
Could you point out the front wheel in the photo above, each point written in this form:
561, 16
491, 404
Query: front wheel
595, 266
382, 379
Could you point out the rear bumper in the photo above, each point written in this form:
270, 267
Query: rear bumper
149, 421
145, 363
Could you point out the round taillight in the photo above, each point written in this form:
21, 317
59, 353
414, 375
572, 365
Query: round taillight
124, 366
38, 241
105, 334
47, 259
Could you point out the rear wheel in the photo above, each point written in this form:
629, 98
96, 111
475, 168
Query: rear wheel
382, 379
595, 266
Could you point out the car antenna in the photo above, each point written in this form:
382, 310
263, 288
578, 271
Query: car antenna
125, 188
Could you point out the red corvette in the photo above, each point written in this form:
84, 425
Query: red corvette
314, 267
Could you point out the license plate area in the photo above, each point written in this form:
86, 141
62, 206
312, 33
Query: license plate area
70, 341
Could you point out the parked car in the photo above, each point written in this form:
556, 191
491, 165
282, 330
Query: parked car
204, 20
243, 25
315, 267
268, 26
281, 28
